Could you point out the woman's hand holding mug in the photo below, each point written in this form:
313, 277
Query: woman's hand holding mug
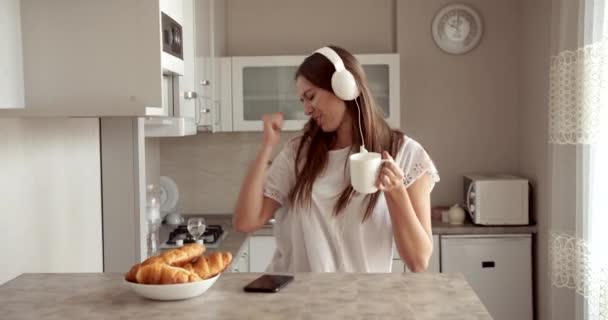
391, 175
372, 171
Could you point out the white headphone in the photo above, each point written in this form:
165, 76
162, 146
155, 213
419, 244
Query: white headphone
343, 82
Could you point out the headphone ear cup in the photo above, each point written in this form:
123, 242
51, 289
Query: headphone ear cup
344, 85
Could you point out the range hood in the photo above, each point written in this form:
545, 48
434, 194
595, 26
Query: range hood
169, 127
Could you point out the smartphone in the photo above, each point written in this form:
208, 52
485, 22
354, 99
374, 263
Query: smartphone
268, 283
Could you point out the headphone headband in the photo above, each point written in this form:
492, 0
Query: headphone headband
332, 56
343, 82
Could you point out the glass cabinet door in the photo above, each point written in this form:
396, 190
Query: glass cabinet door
263, 85
377, 77
382, 71
269, 90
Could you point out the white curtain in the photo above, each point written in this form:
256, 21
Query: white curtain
578, 134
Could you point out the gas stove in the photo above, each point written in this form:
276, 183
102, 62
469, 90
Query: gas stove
213, 235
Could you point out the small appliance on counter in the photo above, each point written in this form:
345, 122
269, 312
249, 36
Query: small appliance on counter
497, 199
456, 215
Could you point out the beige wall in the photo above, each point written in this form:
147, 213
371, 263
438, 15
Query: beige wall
536, 36
50, 196
464, 109
280, 27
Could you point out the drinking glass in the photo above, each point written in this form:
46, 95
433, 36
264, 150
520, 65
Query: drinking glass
196, 227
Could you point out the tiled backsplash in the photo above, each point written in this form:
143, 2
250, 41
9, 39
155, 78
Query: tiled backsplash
209, 168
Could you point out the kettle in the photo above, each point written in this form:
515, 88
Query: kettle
456, 214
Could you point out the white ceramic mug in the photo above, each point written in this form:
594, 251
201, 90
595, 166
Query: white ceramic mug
364, 171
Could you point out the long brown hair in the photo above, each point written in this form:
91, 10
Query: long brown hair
312, 152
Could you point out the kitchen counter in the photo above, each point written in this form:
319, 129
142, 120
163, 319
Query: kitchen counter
234, 241
443, 228
310, 296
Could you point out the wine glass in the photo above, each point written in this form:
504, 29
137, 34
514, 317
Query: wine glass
196, 227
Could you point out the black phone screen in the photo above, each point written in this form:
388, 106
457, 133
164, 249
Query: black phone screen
268, 283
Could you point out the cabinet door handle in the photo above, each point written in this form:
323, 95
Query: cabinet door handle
487, 264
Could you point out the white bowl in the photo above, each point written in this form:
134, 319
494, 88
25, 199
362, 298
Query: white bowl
172, 291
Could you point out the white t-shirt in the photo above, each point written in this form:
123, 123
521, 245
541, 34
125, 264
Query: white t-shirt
314, 239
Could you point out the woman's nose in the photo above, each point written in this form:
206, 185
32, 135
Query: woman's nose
308, 109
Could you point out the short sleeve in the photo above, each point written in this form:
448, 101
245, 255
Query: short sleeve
280, 177
415, 162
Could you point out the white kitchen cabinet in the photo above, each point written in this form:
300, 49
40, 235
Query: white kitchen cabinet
261, 250
11, 57
498, 268
434, 262
240, 263
266, 84
213, 114
262, 85
398, 266
100, 58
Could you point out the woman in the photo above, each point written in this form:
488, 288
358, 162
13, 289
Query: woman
322, 224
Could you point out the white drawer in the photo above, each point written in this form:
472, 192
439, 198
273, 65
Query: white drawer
498, 268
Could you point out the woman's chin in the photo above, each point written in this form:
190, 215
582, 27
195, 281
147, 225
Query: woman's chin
326, 129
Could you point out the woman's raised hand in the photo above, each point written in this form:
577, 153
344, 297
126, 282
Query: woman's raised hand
273, 123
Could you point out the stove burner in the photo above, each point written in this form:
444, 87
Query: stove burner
211, 235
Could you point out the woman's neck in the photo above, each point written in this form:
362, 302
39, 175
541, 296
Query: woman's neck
344, 134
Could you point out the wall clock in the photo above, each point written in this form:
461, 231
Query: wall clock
457, 28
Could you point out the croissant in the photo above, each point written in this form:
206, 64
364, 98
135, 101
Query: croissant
159, 273
185, 264
209, 266
188, 266
176, 257
131, 275
183, 255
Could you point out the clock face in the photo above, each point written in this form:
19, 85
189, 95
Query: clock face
457, 28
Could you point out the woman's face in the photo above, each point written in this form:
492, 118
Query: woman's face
321, 105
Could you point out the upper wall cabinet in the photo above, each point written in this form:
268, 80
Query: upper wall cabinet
266, 84
11, 65
98, 58
210, 48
